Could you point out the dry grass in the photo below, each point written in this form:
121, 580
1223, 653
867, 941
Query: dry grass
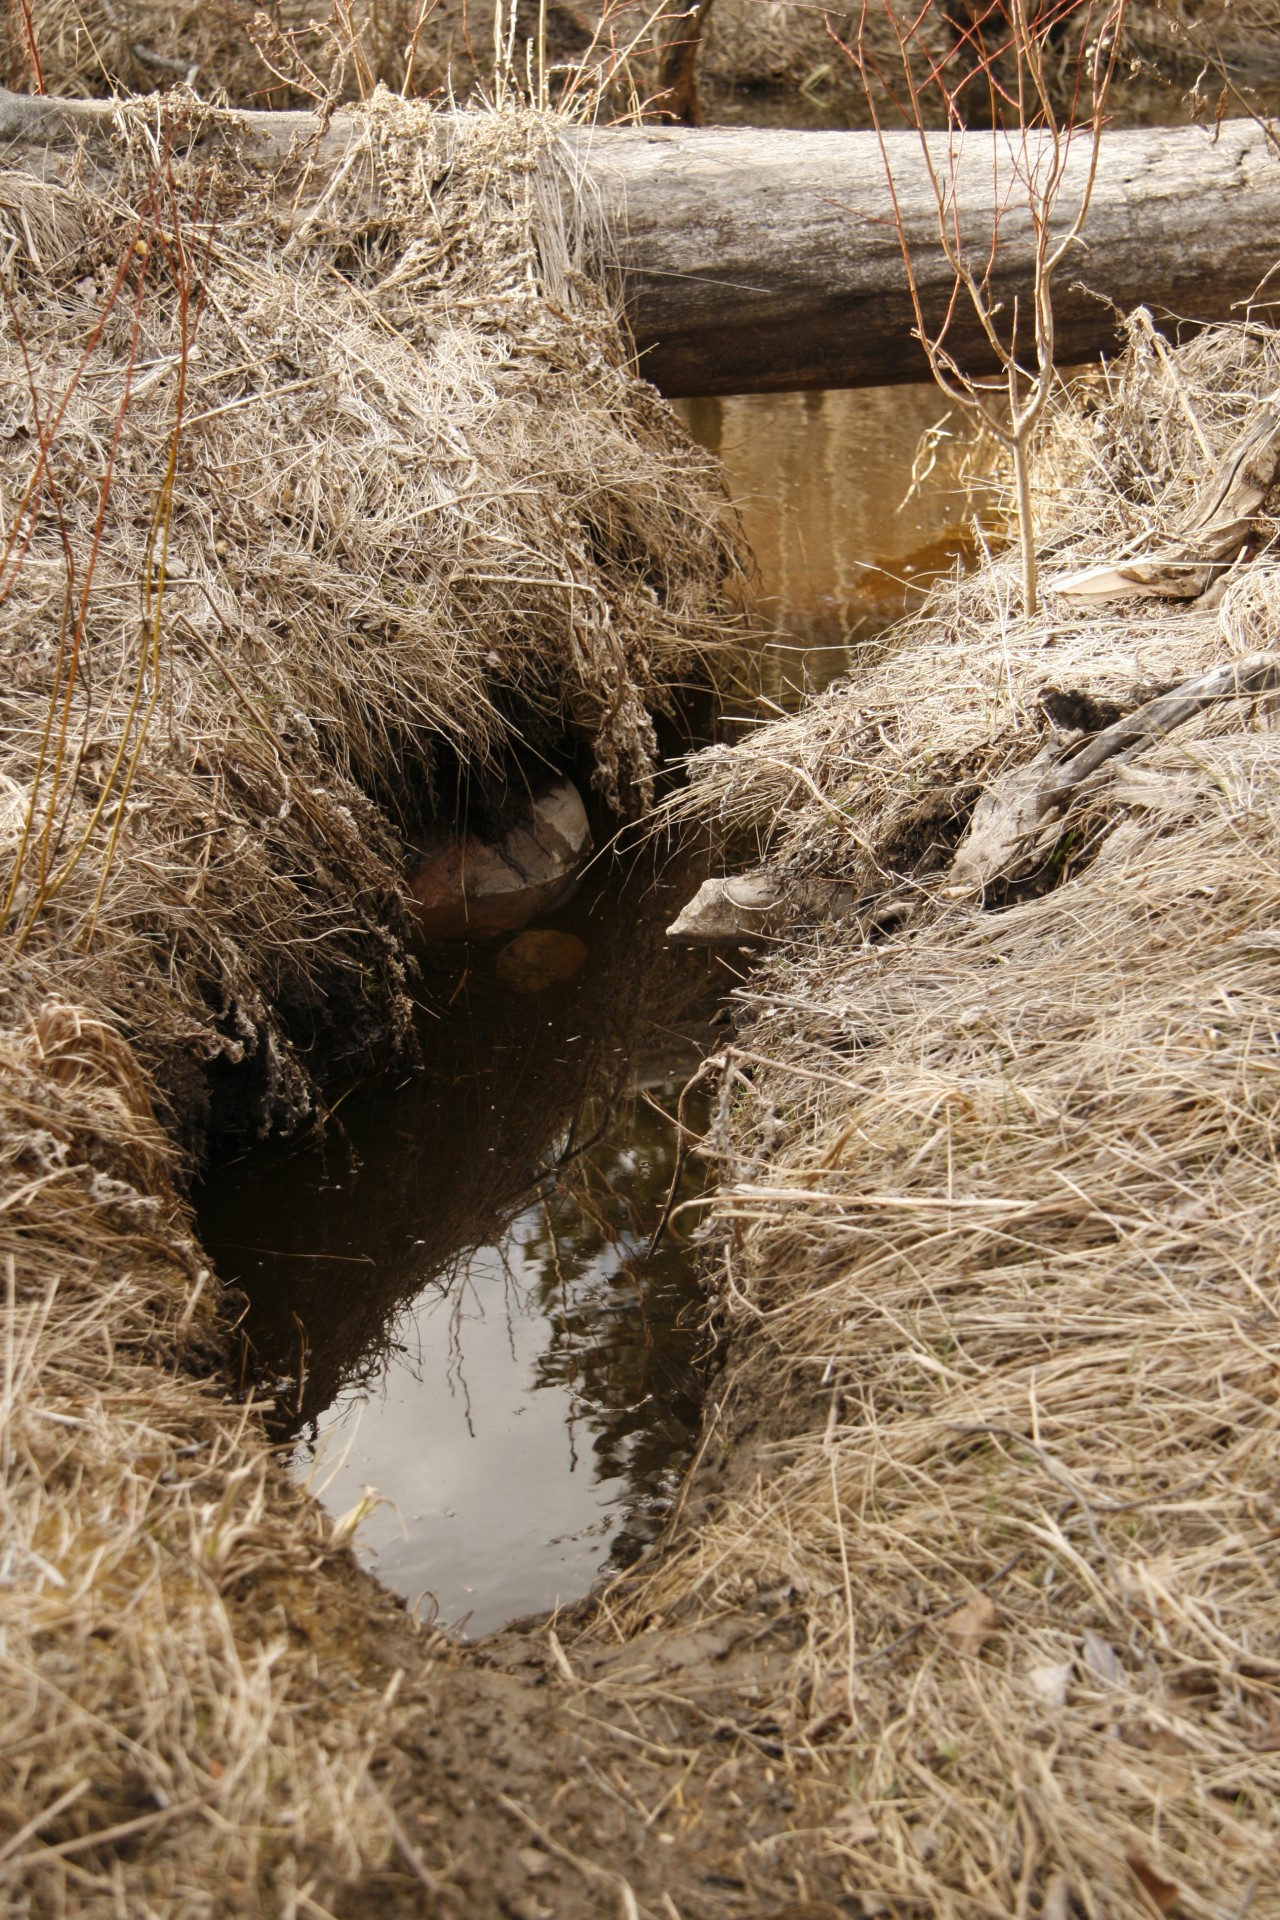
873, 781
788, 44
326, 493
293, 52
285, 54
345, 501
998, 1225
167, 1742
88, 47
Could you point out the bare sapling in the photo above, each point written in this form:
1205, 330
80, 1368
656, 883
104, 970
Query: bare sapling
678, 72
1035, 78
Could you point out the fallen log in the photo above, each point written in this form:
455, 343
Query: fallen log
764, 261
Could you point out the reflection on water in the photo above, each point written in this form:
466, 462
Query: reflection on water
822, 482
540, 1408
450, 1299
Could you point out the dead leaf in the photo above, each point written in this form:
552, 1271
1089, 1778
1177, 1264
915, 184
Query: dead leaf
1161, 1893
1050, 1684
852, 1824
972, 1626
1102, 1660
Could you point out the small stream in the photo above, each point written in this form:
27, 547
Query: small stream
449, 1297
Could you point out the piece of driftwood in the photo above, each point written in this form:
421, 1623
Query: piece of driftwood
756, 260
1209, 539
1007, 820
755, 908
752, 909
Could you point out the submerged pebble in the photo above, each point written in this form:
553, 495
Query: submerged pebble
539, 958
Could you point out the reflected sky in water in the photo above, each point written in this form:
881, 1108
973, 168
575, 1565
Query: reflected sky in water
534, 1419
449, 1297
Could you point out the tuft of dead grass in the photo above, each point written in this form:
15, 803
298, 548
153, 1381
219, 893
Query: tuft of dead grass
155, 1712
997, 1235
288, 54
295, 53
333, 495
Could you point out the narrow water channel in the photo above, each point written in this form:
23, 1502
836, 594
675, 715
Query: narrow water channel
449, 1297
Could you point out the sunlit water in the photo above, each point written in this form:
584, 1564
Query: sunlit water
844, 540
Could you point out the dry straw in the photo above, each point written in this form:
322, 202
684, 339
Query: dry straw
998, 1226
327, 489
322, 491
298, 51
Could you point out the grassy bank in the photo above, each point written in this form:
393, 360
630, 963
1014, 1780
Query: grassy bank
996, 1231
330, 497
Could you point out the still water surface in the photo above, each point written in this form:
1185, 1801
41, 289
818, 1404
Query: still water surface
843, 541
450, 1299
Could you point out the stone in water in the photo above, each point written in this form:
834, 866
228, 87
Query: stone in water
466, 888
539, 958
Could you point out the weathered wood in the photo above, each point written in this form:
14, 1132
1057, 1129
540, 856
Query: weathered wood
1209, 539
756, 261
1008, 819
761, 261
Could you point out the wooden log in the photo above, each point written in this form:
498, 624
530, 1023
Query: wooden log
1003, 833
762, 261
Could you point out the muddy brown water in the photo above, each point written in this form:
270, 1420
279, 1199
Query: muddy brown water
843, 541
449, 1297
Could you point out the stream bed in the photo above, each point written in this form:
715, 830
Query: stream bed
449, 1298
